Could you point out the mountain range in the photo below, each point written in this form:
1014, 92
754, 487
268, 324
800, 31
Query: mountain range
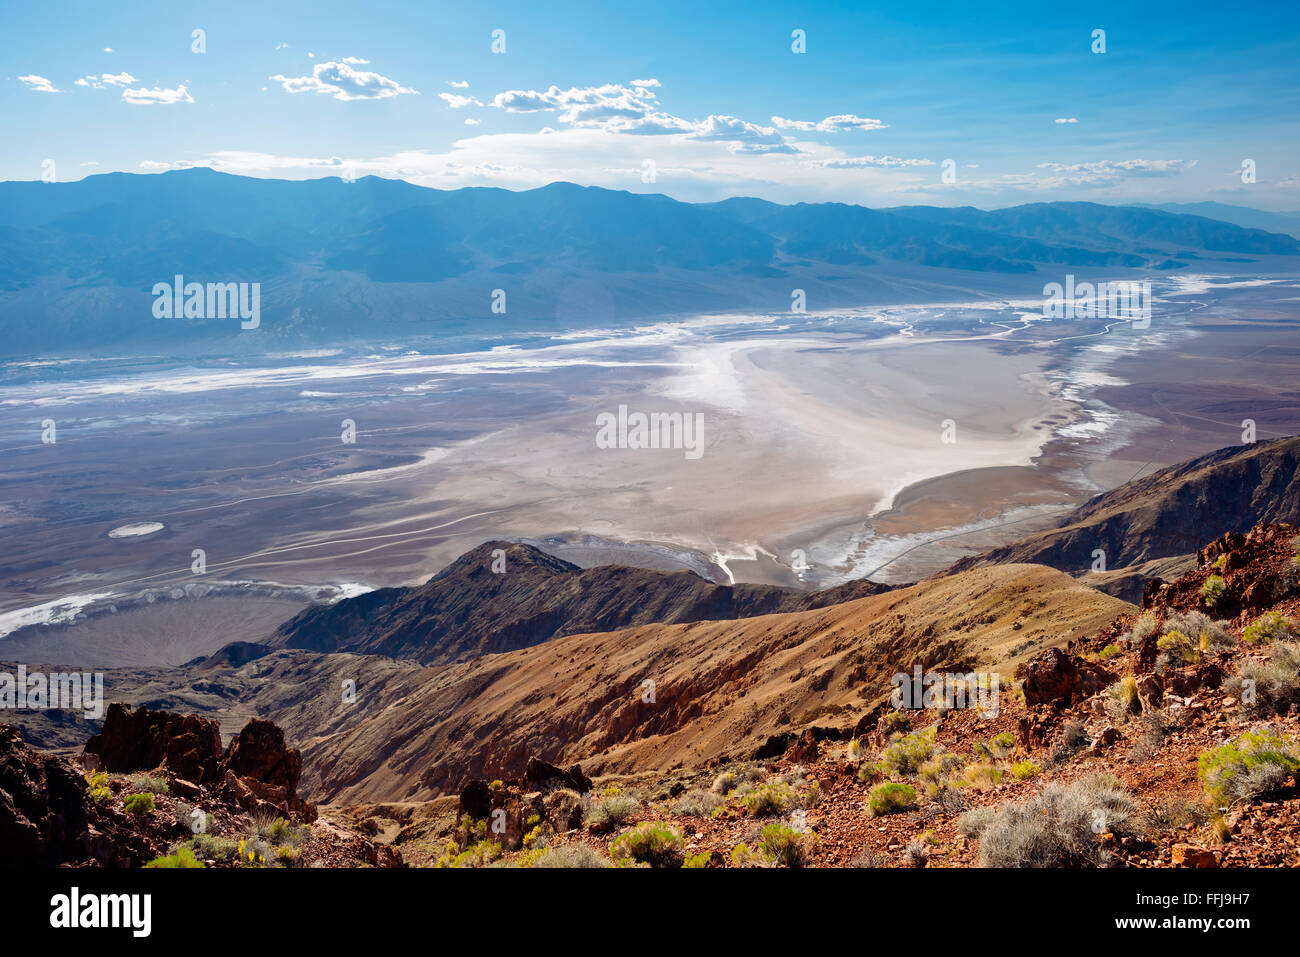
356, 261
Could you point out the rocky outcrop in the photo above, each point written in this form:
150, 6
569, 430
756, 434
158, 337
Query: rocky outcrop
145, 740
1054, 676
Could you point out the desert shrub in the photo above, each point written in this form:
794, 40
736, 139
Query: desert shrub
906, 753
786, 845
182, 857
1110, 651
1072, 739
937, 772
1206, 633
1178, 646
891, 797
895, 722
856, 753
698, 803
1002, 744
1271, 626
149, 782
287, 855
1122, 698
1174, 813
696, 861
253, 852
981, 774
742, 855
1249, 767
610, 812
138, 804
1145, 625
1155, 728
577, 855
1213, 589
1271, 687
479, 854
918, 855
1057, 827
724, 782
100, 792
209, 847
869, 857
650, 842
1024, 770
770, 799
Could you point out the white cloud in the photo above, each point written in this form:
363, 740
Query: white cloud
342, 82
1066, 119
470, 121
108, 49
282, 46
1109, 172
880, 162
106, 79
456, 101
458, 84
832, 124
355, 60
39, 84
158, 95
90, 163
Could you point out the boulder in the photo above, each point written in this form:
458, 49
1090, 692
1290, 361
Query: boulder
1053, 676
543, 776
1189, 855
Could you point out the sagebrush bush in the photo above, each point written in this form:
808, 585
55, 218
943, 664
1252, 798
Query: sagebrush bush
907, 752
1024, 770
786, 845
891, 797
698, 803
650, 842
1205, 633
1271, 687
771, 799
610, 812
571, 856
1212, 591
1122, 698
1058, 827
1249, 767
1272, 626
1002, 744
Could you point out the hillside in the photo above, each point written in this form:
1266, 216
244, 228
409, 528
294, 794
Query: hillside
467, 609
1166, 515
720, 688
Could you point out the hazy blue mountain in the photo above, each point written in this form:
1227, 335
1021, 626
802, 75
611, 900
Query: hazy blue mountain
383, 258
1283, 222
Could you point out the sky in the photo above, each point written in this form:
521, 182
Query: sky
883, 104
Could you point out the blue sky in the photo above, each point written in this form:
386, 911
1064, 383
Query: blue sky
709, 99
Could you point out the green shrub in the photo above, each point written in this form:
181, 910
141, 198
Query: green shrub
770, 799
698, 803
1110, 651
981, 774
1024, 770
138, 804
1205, 633
1058, 827
724, 782
1178, 646
1002, 744
610, 812
650, 842
209, 847
571, 856
149, 782
1272, 626
480, 854
891, 797
906, 753
786, 845
1248, 767
742, 855
1122, 698
182, 857
695, 861
1213, 589
1271, 687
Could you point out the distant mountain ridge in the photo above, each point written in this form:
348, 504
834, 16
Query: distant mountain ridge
1167, 514
339, 260
468, 609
